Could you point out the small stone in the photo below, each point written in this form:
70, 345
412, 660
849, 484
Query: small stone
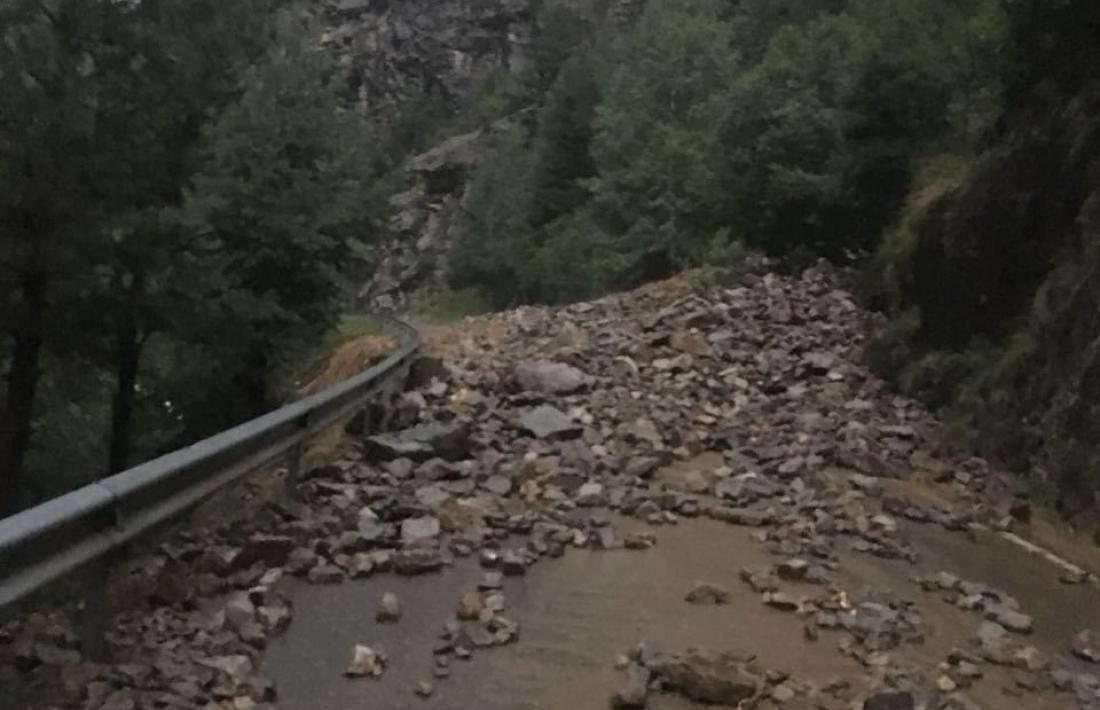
548, 423
793, 570
513, 563
946, 684
706, 593
424, 689
417, 561
889, 700
634, 691
639, 540
420, 529
389, 609
494, 601
491, 581
361, 565
1086, 646
470, 607
1009, 618
782, 693
590, 494
239, 611
499, 485
489, 558
325, 574
780, 601
550, 377
1073, 577
365, 662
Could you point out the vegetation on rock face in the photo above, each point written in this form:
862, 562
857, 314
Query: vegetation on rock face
181, 193
794, 128
998, 273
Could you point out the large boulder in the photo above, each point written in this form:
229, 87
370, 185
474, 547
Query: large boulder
707, 677
449, 441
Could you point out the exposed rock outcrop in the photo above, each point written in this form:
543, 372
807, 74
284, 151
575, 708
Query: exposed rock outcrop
392, 50
426, 218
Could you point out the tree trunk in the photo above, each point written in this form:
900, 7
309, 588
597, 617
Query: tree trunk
22, 383
128, 347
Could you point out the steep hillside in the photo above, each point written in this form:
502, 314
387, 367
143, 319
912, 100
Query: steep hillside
999, 277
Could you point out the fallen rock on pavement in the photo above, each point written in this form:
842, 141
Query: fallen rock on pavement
706, 593
365, 662
389, 609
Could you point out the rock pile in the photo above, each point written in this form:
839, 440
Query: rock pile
519, 448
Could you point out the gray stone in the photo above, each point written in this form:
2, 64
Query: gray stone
365, 662
420, 529
550, 377
513, 563
591, 494
707, 677
435, 439
326, 574
706, 593
389, 609
499, 485
417, 561
889, 700
634, 691
792, 570
546, 422
239, 611
470, 607
780, 601
1010, 618
272, 550
1086, 646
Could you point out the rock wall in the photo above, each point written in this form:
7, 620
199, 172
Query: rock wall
396, 49
426, 219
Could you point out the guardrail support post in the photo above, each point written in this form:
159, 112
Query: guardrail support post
294, 470
96, 613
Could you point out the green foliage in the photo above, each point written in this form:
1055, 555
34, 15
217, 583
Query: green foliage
283, 193
500, 243
563, 158
181, 199
654, 146
795, 126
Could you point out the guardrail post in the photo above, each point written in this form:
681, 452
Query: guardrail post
294, 470
95, 614
294, 464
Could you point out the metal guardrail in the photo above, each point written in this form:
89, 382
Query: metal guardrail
67, 533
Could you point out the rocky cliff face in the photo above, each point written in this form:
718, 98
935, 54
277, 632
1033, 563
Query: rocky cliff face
396, 49
425, 219
393, 50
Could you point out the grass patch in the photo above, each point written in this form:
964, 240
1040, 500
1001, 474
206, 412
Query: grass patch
447, 306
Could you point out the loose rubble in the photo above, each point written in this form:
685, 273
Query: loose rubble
561, 431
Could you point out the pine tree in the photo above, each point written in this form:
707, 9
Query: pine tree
284, 193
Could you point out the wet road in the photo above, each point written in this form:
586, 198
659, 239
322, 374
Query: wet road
579, 612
